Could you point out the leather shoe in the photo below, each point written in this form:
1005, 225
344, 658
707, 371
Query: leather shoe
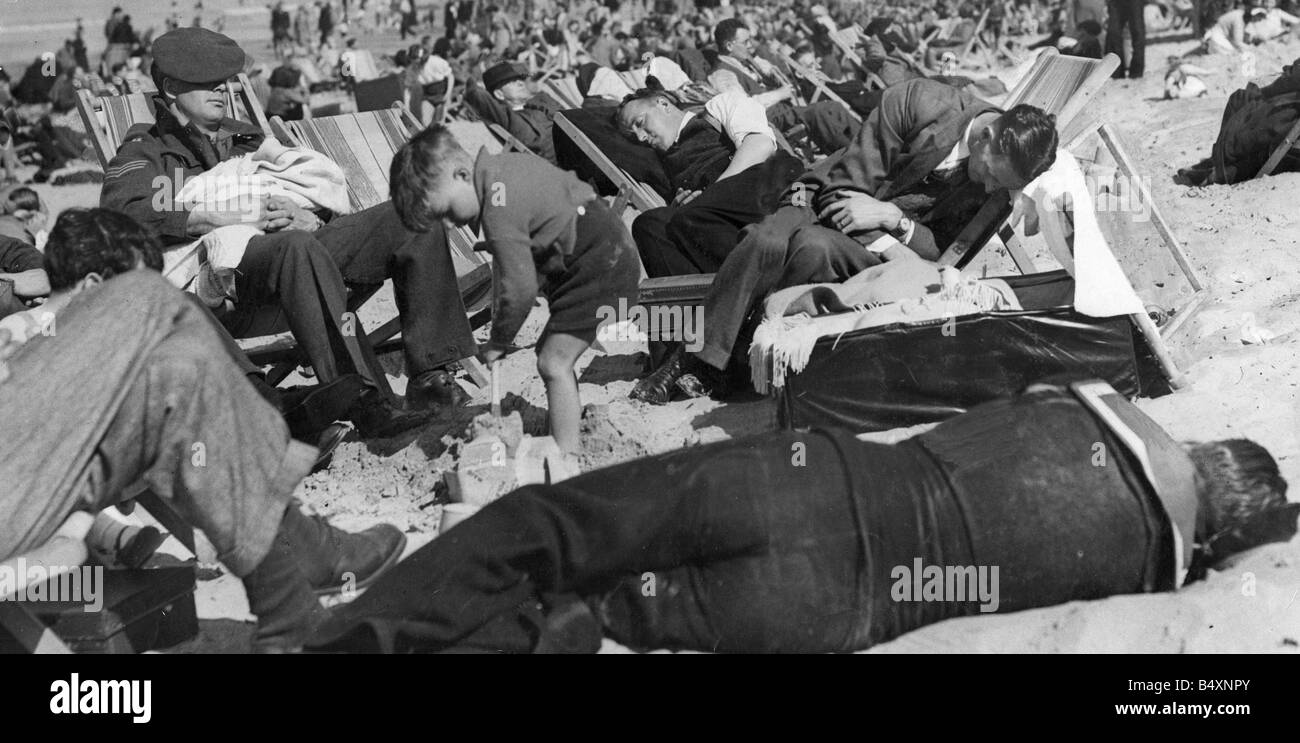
658, 388
311, 410
701, 380
435, 387
376, 418
333, 560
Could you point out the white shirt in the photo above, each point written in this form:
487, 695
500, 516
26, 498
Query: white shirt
739, 115
435, 69
959, 153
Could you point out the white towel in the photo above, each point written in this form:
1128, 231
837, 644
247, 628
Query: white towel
1101, 289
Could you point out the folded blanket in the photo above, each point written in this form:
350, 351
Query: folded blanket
309, 178
784, 342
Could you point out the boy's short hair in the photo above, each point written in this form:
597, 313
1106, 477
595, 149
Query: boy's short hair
418, 170
1027, 135
21, 199
102, 241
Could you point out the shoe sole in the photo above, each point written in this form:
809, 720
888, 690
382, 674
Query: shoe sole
361, 585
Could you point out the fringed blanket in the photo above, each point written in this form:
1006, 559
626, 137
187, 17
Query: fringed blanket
899, 292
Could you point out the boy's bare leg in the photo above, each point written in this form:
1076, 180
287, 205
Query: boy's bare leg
555, 360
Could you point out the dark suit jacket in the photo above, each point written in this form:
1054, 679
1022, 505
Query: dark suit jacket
916, 125
531, 125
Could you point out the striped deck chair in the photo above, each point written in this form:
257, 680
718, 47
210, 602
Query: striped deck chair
1064, 85
635, 79
363, 144
846, 40
564, 90
1059, 84
636, 193
107, 118
821, 90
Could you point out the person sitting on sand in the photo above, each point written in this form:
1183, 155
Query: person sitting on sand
818, 542
1255, 122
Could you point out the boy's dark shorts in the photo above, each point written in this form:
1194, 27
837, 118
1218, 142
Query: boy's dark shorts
603, 269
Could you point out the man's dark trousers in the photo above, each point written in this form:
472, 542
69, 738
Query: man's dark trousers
366, 248
1123, 13
697, 237
786, 249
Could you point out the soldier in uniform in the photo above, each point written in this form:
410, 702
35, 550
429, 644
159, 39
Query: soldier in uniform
306, 261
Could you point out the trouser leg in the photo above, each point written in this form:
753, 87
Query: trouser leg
371, 246
726, 507
748, 274
291, 270
166, 408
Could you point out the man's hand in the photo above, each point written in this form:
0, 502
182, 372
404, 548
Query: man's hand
858, 212
492, 352
284, 214
685, 197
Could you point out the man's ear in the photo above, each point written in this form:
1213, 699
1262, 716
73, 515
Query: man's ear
497, 94
88, 281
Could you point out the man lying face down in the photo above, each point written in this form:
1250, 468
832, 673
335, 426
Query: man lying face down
814, 542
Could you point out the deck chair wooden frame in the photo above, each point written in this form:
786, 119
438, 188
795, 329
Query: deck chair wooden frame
108, 118
564, 90
820, 87
846, 40
363, 144
1042, 87
27, 630
1283, 149
509, 142
639, 195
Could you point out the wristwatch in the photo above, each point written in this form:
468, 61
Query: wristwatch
903, 230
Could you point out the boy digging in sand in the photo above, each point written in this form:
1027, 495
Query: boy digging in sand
546, 230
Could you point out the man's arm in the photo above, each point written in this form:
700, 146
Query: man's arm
744, 122
30, 283
136, 184
514, 278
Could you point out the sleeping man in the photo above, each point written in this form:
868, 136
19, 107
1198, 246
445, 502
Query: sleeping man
814, 542
725, 168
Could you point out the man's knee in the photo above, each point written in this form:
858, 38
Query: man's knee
651, 226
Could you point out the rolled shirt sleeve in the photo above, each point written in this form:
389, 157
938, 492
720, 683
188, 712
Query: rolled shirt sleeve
740, 116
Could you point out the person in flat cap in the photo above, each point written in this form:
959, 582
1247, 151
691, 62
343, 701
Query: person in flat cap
306, 261
504, 99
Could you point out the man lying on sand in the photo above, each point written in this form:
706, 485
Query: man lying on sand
814, 542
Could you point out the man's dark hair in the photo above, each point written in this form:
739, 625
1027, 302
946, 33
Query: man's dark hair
1027, 135
23, 198
1244, 496
102, 241
417, 171
725, 32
